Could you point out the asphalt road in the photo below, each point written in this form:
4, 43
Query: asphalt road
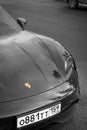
54, 19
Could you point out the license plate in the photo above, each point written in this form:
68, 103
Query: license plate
38, 116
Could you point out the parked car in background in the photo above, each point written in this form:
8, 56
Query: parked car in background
75, 3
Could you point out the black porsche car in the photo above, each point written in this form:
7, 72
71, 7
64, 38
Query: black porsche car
38, 77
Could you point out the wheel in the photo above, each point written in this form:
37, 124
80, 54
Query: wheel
73, 4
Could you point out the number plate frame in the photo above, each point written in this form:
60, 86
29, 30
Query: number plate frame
30, 118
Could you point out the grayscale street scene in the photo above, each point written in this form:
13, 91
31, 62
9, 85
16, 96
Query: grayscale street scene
53, 18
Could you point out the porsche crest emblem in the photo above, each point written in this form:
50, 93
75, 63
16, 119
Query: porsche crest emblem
27, 85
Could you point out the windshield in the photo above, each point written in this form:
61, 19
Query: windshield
7, 24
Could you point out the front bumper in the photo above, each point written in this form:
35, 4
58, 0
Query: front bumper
67, 112
62, 117
67, 94
68, 107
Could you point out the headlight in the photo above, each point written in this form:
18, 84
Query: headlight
69, 62
71, 69
71, 73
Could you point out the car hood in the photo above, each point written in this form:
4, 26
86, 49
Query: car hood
25, 59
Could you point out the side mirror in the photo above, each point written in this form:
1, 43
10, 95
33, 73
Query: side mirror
22, 22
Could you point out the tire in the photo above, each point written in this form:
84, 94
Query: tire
73, 4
